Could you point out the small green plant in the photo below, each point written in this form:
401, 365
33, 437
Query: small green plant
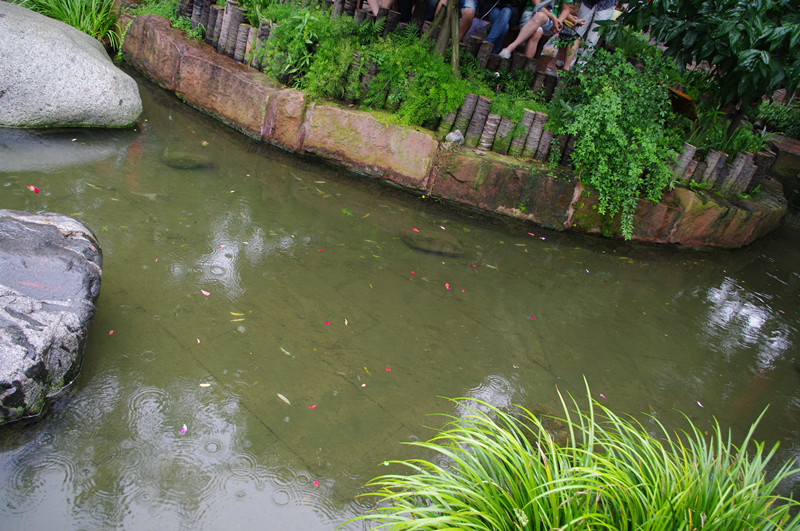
783, 118
169, 10
589, 469
97, 18
710, 131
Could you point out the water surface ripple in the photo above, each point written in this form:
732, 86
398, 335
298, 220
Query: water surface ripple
272, 306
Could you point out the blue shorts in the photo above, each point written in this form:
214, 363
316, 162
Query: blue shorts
528, 15
468, 4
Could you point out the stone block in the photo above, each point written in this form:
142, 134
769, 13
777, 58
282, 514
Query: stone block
235, 93
285, 118
360, 141
154, 47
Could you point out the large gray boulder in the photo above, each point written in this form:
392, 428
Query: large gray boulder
50, 269
54, 75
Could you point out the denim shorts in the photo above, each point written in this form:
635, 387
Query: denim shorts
468, 4
527, 15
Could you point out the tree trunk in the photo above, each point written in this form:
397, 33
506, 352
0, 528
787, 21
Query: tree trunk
211, 22
446, 124
518, 143
465, 113
240, 45
477, 122
489, 132
502, 138
452, 6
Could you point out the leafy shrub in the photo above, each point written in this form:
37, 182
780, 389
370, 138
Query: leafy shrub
314, 51
169, 10
617, 114
781, 118
97, 18
711, 132
506, 471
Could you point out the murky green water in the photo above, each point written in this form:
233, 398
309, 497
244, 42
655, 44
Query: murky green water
314, 296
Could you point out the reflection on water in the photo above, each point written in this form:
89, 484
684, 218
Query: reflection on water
272, 306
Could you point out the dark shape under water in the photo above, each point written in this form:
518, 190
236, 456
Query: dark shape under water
183, 160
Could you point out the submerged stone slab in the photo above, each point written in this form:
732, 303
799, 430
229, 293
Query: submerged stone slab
54, 75
50, 270
435, 242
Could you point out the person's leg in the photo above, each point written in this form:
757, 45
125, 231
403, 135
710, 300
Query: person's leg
374, 6
468, 9
533, 43
594, 33
586, 13
569, 55
467, 16
499, 19
528, 30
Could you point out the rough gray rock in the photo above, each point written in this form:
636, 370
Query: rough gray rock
455, 137
54, 75
50, 269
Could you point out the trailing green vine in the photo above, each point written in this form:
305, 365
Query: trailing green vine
617, 115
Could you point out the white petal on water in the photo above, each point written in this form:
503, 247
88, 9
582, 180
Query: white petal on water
284, 399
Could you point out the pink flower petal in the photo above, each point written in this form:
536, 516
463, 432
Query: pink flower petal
198, 340
204, 292
413, 273
532, 234
533, 318
415, 229
463, 290
33, 188
446, 285
316, 483
602, 396
442, 227
111, 332
183, 429
388, 369
327, 323
699, 404
312, 406
319, 250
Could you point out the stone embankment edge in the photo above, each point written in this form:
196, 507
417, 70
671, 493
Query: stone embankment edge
412, 158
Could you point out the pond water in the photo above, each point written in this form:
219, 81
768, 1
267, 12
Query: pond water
273, 306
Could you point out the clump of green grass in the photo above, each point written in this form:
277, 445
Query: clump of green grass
506, 471
97, 18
